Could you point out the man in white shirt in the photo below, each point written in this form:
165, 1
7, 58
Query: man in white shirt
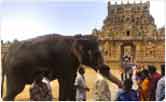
40, 89
80, 84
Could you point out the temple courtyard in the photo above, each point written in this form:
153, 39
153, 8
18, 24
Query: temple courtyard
90, 76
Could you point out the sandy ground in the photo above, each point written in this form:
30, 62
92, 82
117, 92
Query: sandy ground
90, 76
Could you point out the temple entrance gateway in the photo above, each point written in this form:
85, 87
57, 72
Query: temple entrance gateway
127, 52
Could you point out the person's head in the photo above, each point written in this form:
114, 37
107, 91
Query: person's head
127, 84
162, 69
38, 77
151, 69
81, 70
145, 73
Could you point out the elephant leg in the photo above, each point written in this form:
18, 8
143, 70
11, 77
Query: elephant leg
61, 90
73, 94
14, 87
66, 89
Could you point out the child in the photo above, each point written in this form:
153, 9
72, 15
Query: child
127, 94
40, 89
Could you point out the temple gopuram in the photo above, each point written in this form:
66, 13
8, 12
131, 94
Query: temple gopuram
129, 30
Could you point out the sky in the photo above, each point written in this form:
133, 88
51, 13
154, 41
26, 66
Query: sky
23, 19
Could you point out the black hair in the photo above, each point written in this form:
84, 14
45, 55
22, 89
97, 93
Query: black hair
81, 70
127, 84
145, 73
151, 69
162, 69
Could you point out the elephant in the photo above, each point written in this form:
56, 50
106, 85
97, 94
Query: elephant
58, 55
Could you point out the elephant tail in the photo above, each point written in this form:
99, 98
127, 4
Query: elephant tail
3, 72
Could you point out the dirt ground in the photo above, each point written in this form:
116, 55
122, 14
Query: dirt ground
90, 76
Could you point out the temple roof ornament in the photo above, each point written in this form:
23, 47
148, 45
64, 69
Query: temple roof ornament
131, 20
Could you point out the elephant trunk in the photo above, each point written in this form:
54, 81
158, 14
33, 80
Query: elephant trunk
105, 71
115, 80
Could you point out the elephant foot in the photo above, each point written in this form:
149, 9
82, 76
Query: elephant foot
7, 98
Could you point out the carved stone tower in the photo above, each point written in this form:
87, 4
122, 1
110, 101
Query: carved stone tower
129, 29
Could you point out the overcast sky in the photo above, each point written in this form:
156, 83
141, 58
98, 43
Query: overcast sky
22, 19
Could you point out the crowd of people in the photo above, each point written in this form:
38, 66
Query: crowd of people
147, 80
141, 84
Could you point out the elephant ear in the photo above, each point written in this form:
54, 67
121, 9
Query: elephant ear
77, 50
